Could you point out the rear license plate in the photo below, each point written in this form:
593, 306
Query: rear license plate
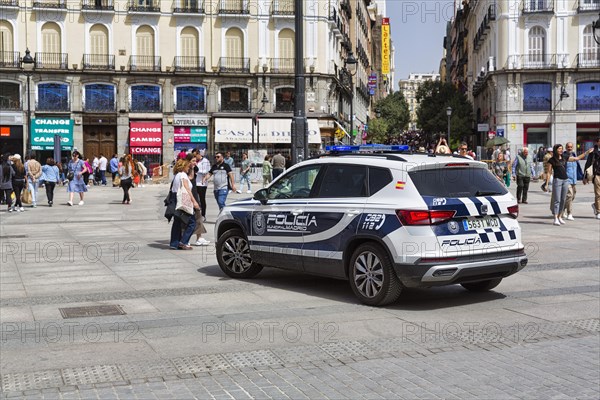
472, 224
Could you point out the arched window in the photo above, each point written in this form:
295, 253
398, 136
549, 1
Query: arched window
284, 99
190, 99
235, 99
234, 52
285, 61
144, 59
537, 96
52, 97
98, 56
99, 98
591, 50
188, 60
588, 96
51, 42
537, 47
10, 96
6, 38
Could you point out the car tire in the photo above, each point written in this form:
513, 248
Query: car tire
372, 277
481, 286
233, 255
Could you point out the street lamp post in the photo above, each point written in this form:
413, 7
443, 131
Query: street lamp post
28, 65
596, 27
350, 65
261, 111
449, 114
299, 131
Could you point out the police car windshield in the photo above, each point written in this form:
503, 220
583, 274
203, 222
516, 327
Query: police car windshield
457, 182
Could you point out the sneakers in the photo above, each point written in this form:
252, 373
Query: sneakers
34, 205
249, 191
562, 221
570, 217
597, 216
556, 222
203, 219
21, 209
202, 242
81, 203
50, 203
70, 203
185, 247
10, 209
238, 191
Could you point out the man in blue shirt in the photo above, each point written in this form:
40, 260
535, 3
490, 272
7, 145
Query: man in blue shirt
522, 171
114, 167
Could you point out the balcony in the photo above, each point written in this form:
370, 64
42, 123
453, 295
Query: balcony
234, 64
97, 5
532, 61
282, 65
144, 64
335, 22
491, 15
233, 7
538, 6
189, 64
98, 62
10, 59
51, 61
9, 3
283, 8
144, 6
588, 60
588, 5
58, 5
188, 7
60, 104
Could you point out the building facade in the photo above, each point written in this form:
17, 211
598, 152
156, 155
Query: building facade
409, 88
151, 77
534, 70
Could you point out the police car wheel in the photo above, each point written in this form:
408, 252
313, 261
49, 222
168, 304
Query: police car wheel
372, 277
482, 286
233, 255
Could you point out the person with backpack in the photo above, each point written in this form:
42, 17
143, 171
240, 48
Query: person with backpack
593, 161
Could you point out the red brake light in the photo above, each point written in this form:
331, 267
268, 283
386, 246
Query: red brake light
417, 217
514, 211
457, 165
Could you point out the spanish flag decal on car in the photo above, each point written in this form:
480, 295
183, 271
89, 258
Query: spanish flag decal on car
400, 185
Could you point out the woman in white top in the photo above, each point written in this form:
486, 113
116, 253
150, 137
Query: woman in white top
182, 221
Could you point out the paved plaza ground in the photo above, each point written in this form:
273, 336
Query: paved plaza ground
179, 328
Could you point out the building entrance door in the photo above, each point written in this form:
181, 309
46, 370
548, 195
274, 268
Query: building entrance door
100, 139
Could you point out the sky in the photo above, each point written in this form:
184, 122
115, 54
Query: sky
418, 28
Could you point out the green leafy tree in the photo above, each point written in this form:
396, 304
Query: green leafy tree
434, 97
394, 118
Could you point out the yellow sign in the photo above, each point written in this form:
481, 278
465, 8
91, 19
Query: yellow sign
385, 46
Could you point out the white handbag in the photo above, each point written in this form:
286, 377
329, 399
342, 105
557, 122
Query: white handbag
184, 201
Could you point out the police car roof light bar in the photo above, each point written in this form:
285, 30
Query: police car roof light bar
368, 148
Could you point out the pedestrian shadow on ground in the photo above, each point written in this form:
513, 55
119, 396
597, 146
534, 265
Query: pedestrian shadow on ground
339, 290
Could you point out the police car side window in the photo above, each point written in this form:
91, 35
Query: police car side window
341, 180
295, 185
378, 179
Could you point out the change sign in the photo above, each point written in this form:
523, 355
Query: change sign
44, 129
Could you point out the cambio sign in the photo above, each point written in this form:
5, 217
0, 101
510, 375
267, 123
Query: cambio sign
44, 129
145, 137
272, 130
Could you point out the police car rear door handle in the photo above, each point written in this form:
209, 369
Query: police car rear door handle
353, 212
297, 212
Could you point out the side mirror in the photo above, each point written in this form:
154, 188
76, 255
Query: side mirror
262, 196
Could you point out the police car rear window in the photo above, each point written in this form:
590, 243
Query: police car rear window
457, 182
378, 179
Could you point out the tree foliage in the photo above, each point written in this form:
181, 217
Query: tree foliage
394, 118
434, 97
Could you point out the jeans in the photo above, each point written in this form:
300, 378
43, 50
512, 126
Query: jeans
7, 193
18, 188
560, 187
33, 187
522, 187
103, 176
177, 237
50, 191
202, 196
221, 197
245, 178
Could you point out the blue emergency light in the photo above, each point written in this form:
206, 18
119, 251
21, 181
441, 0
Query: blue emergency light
367, 148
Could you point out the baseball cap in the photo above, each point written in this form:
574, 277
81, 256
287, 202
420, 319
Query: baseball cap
16, 156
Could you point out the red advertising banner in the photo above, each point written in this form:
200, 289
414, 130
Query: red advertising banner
145, 150
145, 134
182, 134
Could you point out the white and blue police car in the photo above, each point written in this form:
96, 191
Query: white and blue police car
380, 218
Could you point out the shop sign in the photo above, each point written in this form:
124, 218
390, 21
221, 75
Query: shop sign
44, 129
190, 121
186, 134
145, 134
145, 150
272, 130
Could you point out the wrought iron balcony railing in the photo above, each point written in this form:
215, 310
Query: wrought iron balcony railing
9, 3
234, 64
102, 62
54, 105
235, 107
282, 65
102, 5
51, 60
532, 61
10, 59
189, 64
188, 6
57, 4
144, 5
233, 7
537, 104
283, 7
144, 63
538, 6
588, 60
588, 5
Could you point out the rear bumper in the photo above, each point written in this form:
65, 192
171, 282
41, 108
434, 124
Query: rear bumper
424, 275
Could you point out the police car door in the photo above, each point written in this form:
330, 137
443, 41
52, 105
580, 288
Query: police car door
279, 225
336, 210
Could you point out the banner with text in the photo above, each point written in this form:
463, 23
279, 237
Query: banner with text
44, 129
272, 130
385, 46
145, 137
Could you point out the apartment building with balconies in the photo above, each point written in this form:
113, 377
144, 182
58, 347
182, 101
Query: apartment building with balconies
191, 73
409, 88
534, 70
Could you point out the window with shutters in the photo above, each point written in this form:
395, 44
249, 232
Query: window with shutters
6, 44
286, 43
189, 42
537, 47
51, 38
591, 49
144, 41
98, 45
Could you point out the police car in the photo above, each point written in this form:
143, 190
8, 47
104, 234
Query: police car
381, 219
